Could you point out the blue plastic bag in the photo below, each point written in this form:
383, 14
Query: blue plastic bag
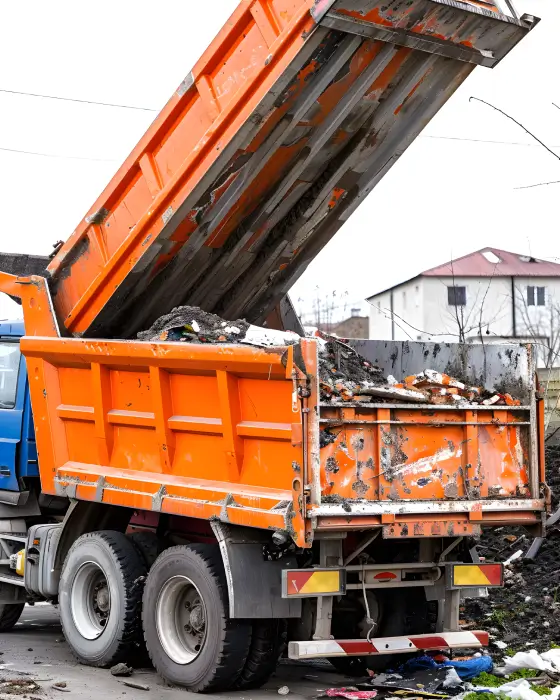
466, 670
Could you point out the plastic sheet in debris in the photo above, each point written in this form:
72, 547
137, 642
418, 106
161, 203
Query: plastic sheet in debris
268, 337
466, 670
519, 689
548, 661
425, 681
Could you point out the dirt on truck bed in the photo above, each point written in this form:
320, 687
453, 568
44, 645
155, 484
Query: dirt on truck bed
344, 375
526, 613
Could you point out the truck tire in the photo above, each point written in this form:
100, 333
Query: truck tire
268, 641
100, 597
148, 545
190, 638
9, 615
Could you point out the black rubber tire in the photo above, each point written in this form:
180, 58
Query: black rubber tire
148, 544
9, 615
125, 573
268, 641
222, 657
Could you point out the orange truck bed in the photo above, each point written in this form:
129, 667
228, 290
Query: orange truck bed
290, 118
238, 434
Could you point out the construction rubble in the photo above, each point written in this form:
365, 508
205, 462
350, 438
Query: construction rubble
344, 375
525, 614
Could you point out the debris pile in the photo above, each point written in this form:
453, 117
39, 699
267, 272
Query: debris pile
347, 376
344, 375
190, 324
525, 614
525, 676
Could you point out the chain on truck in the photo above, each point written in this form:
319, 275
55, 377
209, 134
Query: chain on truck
175, 497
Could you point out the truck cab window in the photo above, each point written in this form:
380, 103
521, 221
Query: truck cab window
9, 368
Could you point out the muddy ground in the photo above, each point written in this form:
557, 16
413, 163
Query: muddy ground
526, 613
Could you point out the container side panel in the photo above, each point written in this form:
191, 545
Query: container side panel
206, 431
393, 454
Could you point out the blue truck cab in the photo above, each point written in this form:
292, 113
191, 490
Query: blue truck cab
18, 450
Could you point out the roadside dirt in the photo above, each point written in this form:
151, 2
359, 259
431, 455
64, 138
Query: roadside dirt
526, 613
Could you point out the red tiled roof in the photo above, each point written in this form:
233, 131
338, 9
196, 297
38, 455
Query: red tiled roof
476, 265
510, 265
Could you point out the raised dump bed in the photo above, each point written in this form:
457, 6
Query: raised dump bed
284, 126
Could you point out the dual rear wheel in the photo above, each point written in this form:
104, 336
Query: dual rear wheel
108, 602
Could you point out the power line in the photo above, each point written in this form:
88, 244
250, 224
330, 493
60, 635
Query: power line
502, 143
72, 99
149, 109
54, 155
537, 184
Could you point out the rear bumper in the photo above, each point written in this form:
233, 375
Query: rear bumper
387, 645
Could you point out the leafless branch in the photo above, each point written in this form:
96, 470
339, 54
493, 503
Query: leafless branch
525, 129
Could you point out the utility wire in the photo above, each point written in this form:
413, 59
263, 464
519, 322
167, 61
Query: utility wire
112, 160
71, 99
54, 155
503, 143
537, 184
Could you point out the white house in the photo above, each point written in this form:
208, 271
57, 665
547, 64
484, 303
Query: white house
490, 296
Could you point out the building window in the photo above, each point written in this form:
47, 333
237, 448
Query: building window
536, 296
404, 300
457, 296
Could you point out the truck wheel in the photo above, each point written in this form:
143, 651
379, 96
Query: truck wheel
9, 615
100, 598
190, 638
148, 545
268, 641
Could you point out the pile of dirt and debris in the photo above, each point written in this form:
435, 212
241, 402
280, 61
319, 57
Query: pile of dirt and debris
192, 324
345, 376
526, 612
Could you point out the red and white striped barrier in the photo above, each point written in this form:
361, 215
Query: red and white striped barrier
386, 645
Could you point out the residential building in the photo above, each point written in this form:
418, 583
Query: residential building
491, 295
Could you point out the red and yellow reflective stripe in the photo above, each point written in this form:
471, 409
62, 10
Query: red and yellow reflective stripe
477, 575
313, 582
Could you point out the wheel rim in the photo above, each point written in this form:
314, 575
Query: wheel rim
90, 600
181, 620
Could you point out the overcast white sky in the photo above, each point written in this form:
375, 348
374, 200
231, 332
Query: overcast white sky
443, 199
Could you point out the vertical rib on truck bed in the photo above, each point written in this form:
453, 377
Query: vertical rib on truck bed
287, 122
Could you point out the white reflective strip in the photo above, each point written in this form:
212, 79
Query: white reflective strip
327, 647
460, 638
393, 644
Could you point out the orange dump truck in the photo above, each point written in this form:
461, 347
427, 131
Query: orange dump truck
187, 498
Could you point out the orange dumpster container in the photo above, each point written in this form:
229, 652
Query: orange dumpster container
238, 434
